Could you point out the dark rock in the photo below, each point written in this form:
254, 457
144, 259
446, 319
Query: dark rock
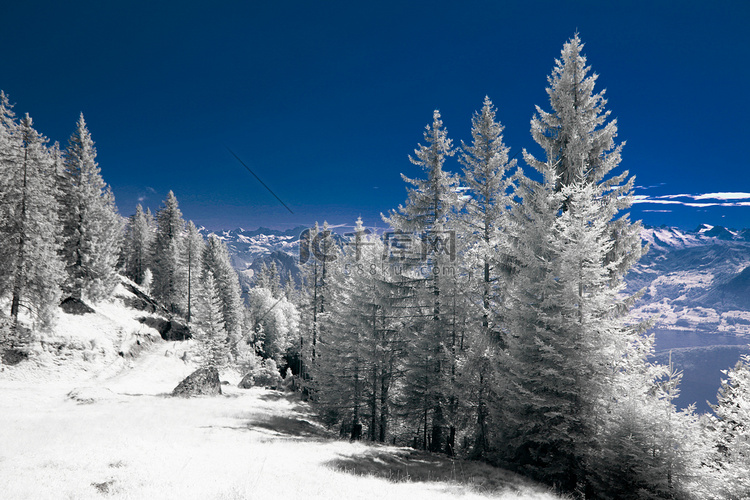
247, 382
13, 356
142, 300
168, 329
158, 324
105, 487
75, 306
202, 382
88, 395
174, 330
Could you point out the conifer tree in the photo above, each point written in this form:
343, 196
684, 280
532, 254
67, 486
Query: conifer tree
92, 226
579, 143
731, 455
486, 174
169, 272
273, 279
290, 287
427, 215
194, 248
32, 270
261, 281
268, 277
357, 356
484, 227
566, 310
138, 244
315, 295
209, 327
273, 324
9, 150
216, 261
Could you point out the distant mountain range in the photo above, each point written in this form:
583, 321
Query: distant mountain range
249, 250
694, 280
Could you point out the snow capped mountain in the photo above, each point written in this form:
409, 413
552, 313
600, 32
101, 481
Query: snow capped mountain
695, 280
246, 247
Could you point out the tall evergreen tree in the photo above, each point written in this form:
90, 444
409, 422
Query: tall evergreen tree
169, 271
316, 293
362, 346
216, 261
9, 151
268, 277
580, 145
32, 269
484, 227
92, 227
209, 326
486, 174
731, 454
427, 215
568, 338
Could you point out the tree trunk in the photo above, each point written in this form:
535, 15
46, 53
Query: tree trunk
437, 430
481, 443
450, 445
374, 404
20, 275
384, 383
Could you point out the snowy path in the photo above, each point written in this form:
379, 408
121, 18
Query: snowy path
133, 441
156, 370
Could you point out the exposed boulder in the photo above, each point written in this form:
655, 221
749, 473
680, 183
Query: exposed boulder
202, 382
75, 306
174, 330
168, 329
247, 381
12, 356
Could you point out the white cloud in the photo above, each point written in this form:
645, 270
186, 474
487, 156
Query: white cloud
706, 200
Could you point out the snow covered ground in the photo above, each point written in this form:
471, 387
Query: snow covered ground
78, 425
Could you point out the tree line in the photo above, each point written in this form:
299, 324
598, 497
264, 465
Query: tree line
492, 319
60, 229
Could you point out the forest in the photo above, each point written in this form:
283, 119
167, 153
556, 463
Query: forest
489, 322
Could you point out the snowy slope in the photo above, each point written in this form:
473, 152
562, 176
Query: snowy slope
93, 344
80, 420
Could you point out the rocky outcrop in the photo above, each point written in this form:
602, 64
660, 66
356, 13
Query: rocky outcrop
72, 305
202, 382
168, 329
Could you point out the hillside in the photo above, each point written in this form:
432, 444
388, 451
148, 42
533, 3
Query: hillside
89, 416
695, 281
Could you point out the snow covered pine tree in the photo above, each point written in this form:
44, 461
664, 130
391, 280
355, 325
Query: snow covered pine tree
92, 228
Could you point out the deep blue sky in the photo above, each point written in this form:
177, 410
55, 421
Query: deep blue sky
325, 99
